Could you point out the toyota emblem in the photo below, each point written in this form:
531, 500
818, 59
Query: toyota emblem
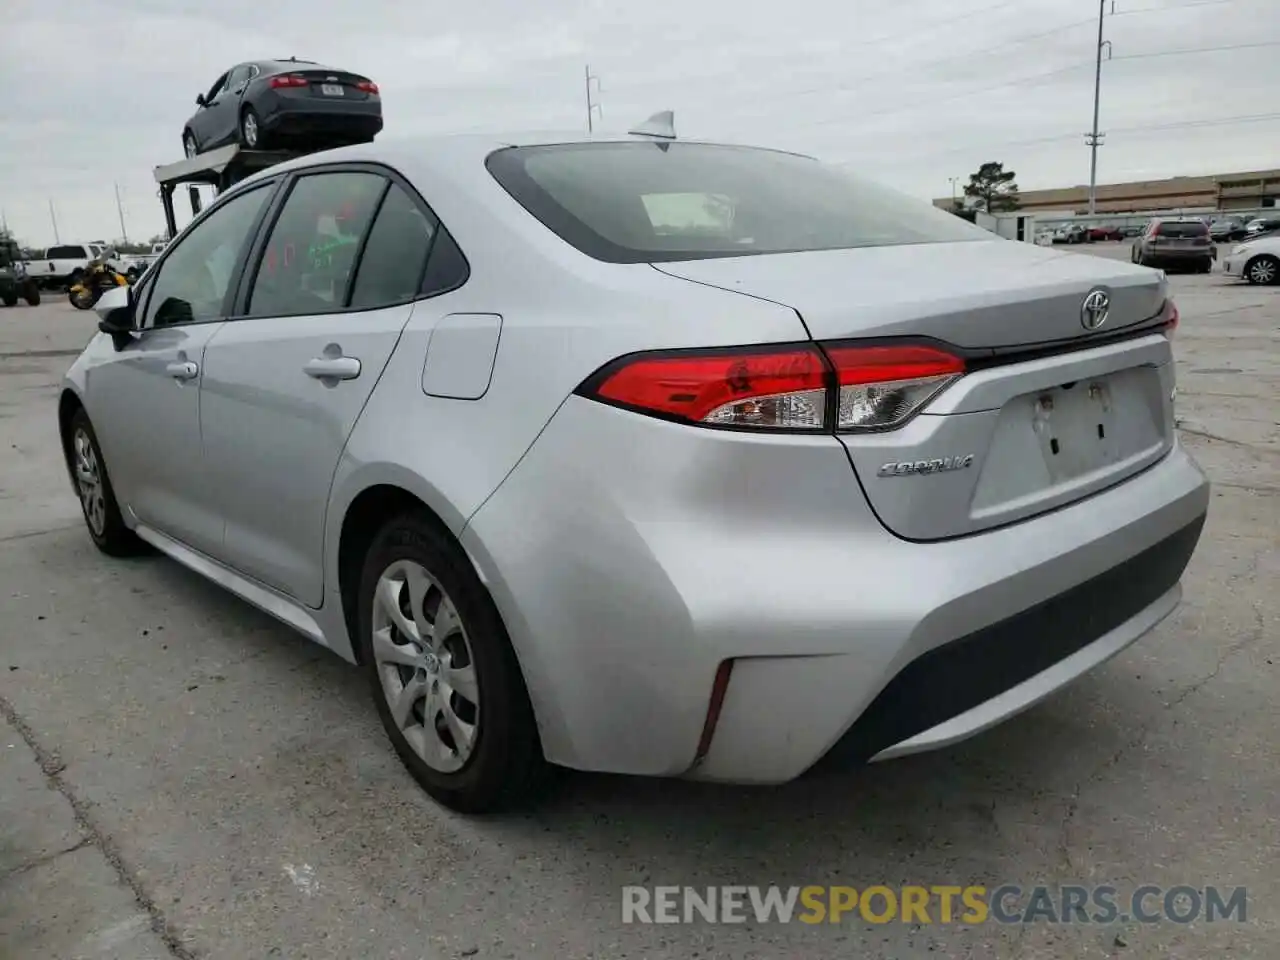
1095, 309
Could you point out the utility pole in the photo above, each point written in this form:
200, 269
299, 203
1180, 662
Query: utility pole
54, 217
124, 232
593, 107
1094, 139
954, 181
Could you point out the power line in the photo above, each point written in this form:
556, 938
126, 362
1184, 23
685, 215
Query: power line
1196, 50
1143, 128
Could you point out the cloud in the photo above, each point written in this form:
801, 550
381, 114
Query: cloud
911, 93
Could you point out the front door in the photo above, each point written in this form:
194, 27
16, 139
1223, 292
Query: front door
148, 392
285, 382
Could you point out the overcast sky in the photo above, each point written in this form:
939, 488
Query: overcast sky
912, 92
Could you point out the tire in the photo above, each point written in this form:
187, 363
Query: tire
1205, 267
1263, 270
82, 300
252, 136
98, 499
189, 146
31, 293
10, 299
504, 766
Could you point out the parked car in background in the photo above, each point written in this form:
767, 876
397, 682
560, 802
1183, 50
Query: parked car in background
1175, 241
1132, 230
270, 103
476, 413
1226, 230
1075, 233
1261, 225
1104, 232
1257, 260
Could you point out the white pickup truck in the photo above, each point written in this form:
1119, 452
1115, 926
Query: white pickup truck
62, 265
136, 264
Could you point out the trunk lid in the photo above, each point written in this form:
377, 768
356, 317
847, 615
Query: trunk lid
1025, 430
976, 294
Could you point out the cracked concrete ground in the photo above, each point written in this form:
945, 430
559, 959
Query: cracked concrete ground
180, 776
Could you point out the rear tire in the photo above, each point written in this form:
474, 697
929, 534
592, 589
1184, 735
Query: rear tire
97, 497
1262, 270
31, 293
9, 299
458, 698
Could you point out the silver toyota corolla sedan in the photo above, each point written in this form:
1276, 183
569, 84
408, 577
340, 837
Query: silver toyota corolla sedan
642, 455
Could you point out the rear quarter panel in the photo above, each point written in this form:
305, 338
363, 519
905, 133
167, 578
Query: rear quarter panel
563, 316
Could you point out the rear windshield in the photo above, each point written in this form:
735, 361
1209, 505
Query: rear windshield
1183, 230
65, 253
649, 202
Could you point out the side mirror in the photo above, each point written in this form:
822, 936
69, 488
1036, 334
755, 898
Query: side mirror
199, 99
115, 315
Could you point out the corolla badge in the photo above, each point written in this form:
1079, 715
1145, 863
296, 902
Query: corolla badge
912, 468
1095, 309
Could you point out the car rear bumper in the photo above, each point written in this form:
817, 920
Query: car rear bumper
631, 558
287, 116
1179, 254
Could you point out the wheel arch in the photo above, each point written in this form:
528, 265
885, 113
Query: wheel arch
363, 517
69, 404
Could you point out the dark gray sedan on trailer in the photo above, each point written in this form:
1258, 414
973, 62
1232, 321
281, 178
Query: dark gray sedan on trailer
270, 103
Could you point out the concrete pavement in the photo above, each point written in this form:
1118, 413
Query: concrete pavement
181, 776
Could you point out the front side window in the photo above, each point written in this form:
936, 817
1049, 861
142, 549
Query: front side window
636, 202
309, 257
191, 283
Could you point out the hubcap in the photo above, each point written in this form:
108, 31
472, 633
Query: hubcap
89, 481
425, 666
1264, 271
250, 129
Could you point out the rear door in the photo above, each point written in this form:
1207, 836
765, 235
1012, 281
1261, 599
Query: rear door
334, 283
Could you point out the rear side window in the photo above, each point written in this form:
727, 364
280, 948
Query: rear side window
310, 255
395, 254
66, 253
1183, 230
635, 202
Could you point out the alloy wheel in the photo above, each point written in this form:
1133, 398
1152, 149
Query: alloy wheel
89, 483
425, 666
250, 127
1263, 271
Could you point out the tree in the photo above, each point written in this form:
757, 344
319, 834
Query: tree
992, 189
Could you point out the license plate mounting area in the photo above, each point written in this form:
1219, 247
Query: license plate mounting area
1075, 425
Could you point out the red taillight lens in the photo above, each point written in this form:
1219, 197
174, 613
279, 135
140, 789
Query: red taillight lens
780, 388
882, 387
288, 80
1170, 313
368, 86
793, 387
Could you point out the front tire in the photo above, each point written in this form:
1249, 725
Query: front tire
97, 497
9, 299
1263, 270
443, 673
252, 136
31, 293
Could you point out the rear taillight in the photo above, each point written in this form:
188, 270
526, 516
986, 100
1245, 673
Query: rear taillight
288, 80
798, 387
368, 86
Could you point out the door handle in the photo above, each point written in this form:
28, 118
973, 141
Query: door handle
332, 368
184, 370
